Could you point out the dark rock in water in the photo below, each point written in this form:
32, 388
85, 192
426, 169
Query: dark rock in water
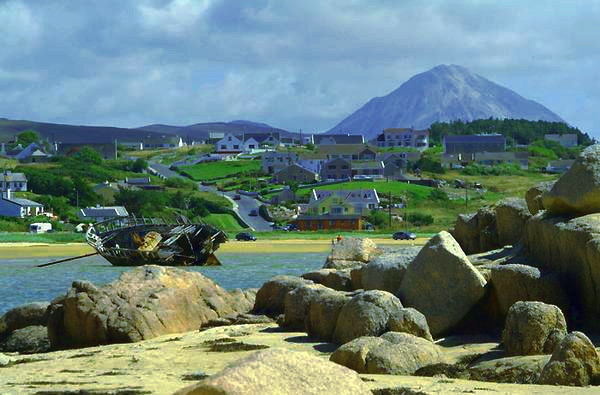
143, 303
28, 340
270, 297
533, 328
574, 361
23, 316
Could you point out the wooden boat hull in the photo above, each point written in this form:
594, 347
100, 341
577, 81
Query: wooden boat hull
138, 242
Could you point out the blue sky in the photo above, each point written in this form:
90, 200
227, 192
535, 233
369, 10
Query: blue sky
292, 64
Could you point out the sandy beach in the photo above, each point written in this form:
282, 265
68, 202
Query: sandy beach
29, 250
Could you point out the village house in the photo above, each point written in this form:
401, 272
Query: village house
347, 151
404, 137
99, 213
11, 206
312, 160
567, 140
162, 142
16, 182
273, 161
229, 144
294, 173
369, 168
332, 139
396, 163
485, 159
461, 145
336, 169
232, 143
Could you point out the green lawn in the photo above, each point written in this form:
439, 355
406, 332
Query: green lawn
53, 237
383, 188
223, 221
222, 169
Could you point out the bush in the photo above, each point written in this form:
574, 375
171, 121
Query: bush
503, 169
438, 195
378, 218
420, 219
180, 183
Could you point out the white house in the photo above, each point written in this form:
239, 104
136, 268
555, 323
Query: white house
13, 181
312, 160
250, 144
11, 206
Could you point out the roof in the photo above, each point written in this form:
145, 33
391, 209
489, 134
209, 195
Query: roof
340, 138
260, 137
341, 148
110, 211
323, 217
23, 202
475, 138
287, 168
501, 155
368, 164
141, 180
347, 194
8, 176
312, 155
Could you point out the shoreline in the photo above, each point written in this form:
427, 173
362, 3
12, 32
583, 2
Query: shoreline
36, 250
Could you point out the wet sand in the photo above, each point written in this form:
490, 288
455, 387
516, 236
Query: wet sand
29, 250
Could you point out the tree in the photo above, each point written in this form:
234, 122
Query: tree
139, 165
89, 155
27, 137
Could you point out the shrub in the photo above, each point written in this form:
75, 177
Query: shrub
438, 195
420, 219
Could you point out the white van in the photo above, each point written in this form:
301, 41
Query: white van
40, 227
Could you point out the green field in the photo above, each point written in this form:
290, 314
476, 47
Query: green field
383, 188
53, 237
222, 169
223, 221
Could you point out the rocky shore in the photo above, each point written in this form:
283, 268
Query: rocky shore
507, 301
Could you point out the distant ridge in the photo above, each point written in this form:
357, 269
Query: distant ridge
202, 130
444, 93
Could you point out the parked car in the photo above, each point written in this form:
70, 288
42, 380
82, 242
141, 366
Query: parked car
245, 236
236, 197
404, 236
253, 212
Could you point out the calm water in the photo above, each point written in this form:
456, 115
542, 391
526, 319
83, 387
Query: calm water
21, 282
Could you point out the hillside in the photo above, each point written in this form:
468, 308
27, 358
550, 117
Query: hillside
202, 130
444, 93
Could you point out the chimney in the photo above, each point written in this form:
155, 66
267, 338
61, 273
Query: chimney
7, 194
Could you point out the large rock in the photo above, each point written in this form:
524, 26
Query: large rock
279, 371
339, 280
387, 270
323, 313
143, 303
442, 284
571, 249
577, 192
518, 370
23, 316
350, 252
297, 302
533, 328
366, 314
29, 340
393, 353
511, 215
409, 320
533, 196
573, 362
270, 297
514, 283
476, 232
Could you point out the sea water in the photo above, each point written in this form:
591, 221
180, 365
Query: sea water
22, 282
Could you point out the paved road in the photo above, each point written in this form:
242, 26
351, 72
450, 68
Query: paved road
163, 170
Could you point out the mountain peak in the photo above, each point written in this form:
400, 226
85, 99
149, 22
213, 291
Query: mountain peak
444, 93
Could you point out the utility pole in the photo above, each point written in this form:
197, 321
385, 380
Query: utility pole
390, 210
466, 195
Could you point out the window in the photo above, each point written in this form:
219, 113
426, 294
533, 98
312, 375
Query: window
371, 206
331, 167
223, 146
251, 146
344, 167
320, 224
236, 146
229, 138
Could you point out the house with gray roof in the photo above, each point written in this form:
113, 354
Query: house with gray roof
294, 173
330, 139
11, 206
100, 214
368, 168
16, 182
469, 144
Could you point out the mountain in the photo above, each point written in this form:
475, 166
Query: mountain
81, 134
444, 93
73, 134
